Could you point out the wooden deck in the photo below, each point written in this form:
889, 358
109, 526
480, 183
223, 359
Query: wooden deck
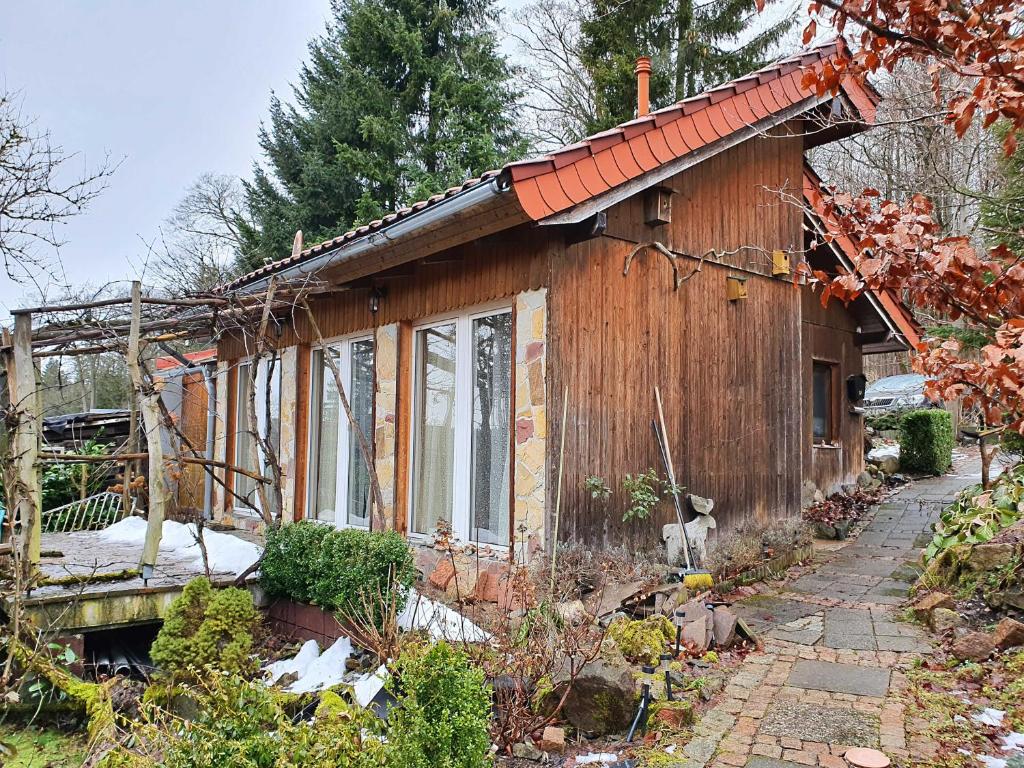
109, 594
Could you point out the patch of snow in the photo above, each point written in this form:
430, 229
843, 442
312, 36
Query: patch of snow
368, 686
440, 621
670, 749
881, 452
987, 760
325, 670
297, 665
596, 757
1013, 742
989, 716
225, 553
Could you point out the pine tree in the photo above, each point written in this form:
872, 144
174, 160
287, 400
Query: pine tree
1002, 213
399, 99
694, 46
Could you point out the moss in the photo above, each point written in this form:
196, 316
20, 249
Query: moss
41, 746
671, 716
711, 657
643, 641
206, 628
75, 580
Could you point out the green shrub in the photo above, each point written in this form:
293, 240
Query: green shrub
885, 422
287, 559
205, 627
443, 717
339, 570
242, 724
926, 441
1012, 444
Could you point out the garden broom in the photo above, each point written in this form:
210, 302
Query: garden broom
694, 579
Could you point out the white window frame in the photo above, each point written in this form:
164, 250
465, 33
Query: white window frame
344, 343
261, 424
462, 454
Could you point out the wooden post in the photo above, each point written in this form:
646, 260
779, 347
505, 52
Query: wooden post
149, 406
25, 401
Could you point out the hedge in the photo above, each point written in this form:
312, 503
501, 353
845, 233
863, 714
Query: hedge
926, 441
339, 570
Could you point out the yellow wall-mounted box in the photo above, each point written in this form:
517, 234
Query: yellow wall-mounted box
736, 287
780, 263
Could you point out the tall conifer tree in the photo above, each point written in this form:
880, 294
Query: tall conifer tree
694, 45
399, 99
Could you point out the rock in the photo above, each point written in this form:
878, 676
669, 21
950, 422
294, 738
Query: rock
486, 590
526, 750
1009, 633
461, 588
819, 496
989, 557
553, 740
898, 479
603, 698
724, 622
943, 620
974, 646
923, 608
674, 715
695, 633
864, 479
572, 612
442, 575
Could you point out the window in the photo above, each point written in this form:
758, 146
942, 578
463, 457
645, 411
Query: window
822, 408
268, 425
339, 481
461, 419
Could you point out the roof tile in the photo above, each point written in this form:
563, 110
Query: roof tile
623, 154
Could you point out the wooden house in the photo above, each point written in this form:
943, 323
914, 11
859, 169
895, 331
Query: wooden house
656, 254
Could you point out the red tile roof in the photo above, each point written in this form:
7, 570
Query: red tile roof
571, 175
889, 299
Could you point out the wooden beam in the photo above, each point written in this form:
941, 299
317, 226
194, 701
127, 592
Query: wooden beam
25, 401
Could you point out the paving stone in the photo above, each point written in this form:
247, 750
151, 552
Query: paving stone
813, 722
758, 761
903, 644
839, 678
850, 641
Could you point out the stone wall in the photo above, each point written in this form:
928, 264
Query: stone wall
385, 412
530, 423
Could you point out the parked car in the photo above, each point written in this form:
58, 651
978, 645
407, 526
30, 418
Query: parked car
896, 393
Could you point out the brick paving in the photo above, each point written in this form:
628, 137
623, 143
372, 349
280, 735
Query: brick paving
836, 655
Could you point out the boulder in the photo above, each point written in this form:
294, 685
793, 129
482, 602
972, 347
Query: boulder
673, 715
527, 750
552, 740
923, 608
603, 698
984, 558
695, 633
943, 620
572, 612
1009, 633
442, 574
974, 646
724, 622
864, 479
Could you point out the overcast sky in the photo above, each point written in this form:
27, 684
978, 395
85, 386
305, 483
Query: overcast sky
174, 89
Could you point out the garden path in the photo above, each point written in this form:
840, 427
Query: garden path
835, 654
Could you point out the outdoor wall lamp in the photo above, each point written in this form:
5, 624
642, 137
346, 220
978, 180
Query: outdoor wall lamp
376, 294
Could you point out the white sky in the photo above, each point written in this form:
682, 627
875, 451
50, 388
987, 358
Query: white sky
174, 88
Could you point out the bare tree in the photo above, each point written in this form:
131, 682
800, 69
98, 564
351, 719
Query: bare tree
200, 241
560, 92
38, 192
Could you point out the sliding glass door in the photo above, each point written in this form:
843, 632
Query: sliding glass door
267, 426
340, 482
461, 420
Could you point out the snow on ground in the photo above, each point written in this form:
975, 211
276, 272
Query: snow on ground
882, 452
440, 621
317, 671
225, 553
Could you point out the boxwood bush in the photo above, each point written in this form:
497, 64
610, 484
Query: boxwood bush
339, 570
926, 441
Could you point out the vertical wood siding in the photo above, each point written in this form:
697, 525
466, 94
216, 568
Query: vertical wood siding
730, 373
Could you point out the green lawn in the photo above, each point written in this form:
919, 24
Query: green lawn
40, 747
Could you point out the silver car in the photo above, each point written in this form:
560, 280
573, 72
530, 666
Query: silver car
896, 393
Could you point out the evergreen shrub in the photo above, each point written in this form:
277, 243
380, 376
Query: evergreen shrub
926, 441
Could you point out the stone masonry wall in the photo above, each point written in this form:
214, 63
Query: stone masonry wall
385, 415
530, 422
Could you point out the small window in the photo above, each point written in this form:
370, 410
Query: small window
823, 403
340, 481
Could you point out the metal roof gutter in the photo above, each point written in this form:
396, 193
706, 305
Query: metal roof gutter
445, 209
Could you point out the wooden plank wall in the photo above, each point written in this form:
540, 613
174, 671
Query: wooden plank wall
730, 373
194, 404
828, 335
484, 270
